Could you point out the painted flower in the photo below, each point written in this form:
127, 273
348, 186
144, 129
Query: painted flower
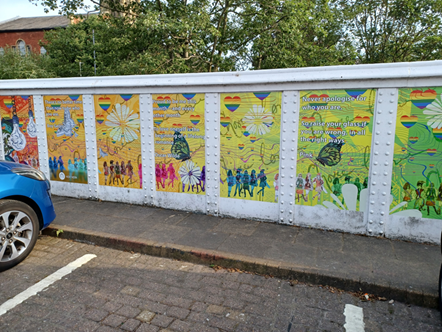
258, 120
434, 110
350, 194
125, 124
190, 173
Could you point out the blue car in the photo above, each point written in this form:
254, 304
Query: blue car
25, 209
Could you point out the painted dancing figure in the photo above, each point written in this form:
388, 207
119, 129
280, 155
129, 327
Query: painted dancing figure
238, 179
300, 187
319, 186
230, 181
246, 183
262, 182
253, 182
172, 174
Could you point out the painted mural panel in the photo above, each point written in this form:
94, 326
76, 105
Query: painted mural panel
250, 142
118, 140
334, 139
19, 130
66, 138
417, 166
179, 142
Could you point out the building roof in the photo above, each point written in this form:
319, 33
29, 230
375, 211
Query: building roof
34, 23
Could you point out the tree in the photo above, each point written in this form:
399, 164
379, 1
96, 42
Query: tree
13, 65
393, 30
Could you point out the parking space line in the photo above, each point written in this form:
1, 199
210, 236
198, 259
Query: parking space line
41, 285
354, 318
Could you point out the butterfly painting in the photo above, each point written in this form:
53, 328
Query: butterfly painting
180, 148
330, 155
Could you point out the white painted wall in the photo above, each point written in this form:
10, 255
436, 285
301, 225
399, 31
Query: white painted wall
386, 78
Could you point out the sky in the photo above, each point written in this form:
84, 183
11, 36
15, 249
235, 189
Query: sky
23, 8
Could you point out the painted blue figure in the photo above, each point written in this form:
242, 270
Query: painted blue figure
80, 170
230, 181
238, 179
61, 164
51, 166
55, 166
202, 180
253, 182
262, 182
246, 183
71, 168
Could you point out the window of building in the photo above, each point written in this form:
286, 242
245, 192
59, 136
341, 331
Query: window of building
42, 50
21, 47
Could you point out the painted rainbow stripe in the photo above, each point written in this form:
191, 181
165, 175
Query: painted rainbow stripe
413, 139
437, 133
261, 95
74, 97
80, 118
158, 121
104, 103
408, 121
431, 152
225, 121
246, 133
25, 97
228, 136
232, 103
126, 97
421, 104
8, 102
355, 93
189, 96
195, 119
253, 139
240, 146
431, 165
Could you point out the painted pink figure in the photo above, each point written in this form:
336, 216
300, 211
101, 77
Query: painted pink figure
172, 175
163, 175
158, 176
140, 174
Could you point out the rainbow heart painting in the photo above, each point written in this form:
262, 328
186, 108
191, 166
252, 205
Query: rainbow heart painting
408, 121
422, 99
164, 103
225, 121
195, 119
104, 103
232, 103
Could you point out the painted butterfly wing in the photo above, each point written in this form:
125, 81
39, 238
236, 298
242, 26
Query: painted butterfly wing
330, 155
180, 148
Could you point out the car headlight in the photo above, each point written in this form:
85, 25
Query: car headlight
30, 173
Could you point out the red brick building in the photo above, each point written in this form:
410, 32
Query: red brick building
24, 33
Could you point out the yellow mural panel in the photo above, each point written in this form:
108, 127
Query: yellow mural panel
66, 138
250, 143
118, 140
179, 142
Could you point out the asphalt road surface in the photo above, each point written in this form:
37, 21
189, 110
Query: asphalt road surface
70, 286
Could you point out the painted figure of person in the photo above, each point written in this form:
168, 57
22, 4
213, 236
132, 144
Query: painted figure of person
253, 181
238, 179
246, 183
123, 171
117, 172
439, 199
112, 172
262, 182
130, 171
71, 169
407, 193
106, 172
60, 164
276, 185
172, 174
319, 186
300, 187
230, 181
420, 192
140, 174
202, 182
164, 175
337, 187
431, 195
158, 175
307, 185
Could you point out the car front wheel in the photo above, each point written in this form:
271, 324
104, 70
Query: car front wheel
18, 232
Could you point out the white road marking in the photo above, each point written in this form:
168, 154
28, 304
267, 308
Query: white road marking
41, 285
354, 318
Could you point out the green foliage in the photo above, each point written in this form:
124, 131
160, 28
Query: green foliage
393, 30
13, 65
182, 36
